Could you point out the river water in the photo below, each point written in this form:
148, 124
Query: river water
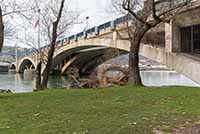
19, 83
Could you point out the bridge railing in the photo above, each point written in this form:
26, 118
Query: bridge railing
92, 32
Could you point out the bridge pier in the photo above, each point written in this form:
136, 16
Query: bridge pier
12, 71
29, 74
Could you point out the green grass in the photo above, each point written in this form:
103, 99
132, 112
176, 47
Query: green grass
120, 110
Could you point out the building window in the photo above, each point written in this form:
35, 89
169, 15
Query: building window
190, 39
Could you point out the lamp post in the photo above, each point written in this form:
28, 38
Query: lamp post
16, 54
16, 51
39, 27
38, 54
86, 27
87, 23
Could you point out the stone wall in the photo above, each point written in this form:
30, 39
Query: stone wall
173, 28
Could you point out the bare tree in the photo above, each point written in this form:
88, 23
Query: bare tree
145, 15
53, 20
1, 29
7, 9
52, 47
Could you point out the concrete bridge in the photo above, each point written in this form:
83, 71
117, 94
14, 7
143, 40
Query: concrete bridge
174, 44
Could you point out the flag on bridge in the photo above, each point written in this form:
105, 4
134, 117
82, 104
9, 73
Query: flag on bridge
36, 23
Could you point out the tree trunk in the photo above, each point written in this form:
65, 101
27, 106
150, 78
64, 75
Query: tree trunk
134, 70
135, 40
48, 65
1, 30
52, 48
38, 76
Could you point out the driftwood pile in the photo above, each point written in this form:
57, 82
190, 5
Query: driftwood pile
94, 82
90, 82
117, 80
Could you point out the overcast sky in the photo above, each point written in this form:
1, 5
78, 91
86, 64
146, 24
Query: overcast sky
98, 11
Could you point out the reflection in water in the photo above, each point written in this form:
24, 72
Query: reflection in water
166, 78
15, 83
19, 83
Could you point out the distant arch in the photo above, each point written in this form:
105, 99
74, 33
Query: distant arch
12, 66
26, 63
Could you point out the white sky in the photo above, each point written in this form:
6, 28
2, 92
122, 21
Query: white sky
99, 12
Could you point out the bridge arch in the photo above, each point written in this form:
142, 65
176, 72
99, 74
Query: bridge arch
88, 61
92, 47
13, 66
25, 63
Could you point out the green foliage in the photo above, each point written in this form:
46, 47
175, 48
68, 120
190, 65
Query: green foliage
120, 110
7, 59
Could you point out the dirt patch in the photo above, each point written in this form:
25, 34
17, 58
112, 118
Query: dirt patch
188, 129
184, 129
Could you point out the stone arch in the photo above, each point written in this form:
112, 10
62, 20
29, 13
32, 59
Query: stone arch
12, 67
60, 55
25, 63
95, 62
81, 58
86, 61
84, 45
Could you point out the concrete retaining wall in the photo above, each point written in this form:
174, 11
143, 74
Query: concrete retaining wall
183, 63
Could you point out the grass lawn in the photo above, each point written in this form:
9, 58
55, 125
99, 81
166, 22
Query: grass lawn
120, 110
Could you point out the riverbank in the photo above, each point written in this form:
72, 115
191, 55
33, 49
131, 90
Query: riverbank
126, 110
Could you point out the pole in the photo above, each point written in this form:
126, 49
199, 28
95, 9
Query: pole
38, 54
87, 23
39, 28
38, 57
16, 54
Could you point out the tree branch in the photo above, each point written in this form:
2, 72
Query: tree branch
127, 6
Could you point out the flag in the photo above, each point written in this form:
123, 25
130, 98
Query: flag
87, 17
36, 23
